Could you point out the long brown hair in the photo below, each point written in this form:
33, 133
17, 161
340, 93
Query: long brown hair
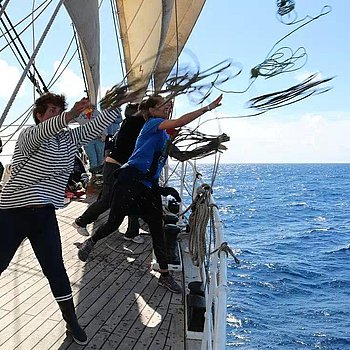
150, 102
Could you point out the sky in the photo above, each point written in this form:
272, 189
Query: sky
314, 130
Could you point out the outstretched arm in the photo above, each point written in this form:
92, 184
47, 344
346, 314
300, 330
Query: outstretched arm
189, 117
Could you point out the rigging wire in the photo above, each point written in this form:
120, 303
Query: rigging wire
30, 24
33, 43
3, 7
24, 62
31, 60
79, 50
116, 26
54, 79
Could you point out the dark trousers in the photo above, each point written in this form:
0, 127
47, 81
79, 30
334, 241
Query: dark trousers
104, 200
130, 196
40, 226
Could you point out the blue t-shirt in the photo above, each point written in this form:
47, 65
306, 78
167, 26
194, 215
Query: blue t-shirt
151, 150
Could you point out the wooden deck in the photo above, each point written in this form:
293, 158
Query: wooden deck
118, 300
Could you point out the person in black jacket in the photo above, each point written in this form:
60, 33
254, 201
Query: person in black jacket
123, 147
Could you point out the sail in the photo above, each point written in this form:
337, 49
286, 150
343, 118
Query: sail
183, 19
140, 24
153, 33
88, 30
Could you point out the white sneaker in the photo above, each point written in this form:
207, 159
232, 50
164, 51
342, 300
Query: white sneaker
82, 230
137, 239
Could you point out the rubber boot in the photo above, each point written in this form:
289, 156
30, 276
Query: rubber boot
73, 327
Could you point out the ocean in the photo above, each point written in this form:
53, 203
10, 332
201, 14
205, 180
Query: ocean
289, 224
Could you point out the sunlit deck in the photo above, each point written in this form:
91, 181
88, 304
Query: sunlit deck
118, 300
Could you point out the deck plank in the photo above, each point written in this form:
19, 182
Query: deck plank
117, 297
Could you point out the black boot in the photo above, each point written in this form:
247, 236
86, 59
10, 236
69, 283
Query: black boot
170, 236
73, 327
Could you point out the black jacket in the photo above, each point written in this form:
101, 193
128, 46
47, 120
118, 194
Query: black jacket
125, 140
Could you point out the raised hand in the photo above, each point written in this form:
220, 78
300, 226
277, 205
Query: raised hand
79, 107
215, 103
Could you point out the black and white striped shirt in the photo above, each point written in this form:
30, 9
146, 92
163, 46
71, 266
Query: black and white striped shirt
44, 158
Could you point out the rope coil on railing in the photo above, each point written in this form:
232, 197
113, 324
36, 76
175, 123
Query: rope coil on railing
198, 222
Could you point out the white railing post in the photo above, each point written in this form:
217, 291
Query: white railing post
221, 291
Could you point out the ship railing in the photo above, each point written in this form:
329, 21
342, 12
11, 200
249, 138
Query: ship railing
214, 270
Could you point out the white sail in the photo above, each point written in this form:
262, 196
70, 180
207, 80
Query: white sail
88, 28
153, 34
141, 31
183, 19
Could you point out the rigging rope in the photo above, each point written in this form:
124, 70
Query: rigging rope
26, 27
3, 7
17, 37
31, 60
227, 250
54, 78
79, 50
116, 26
285, 6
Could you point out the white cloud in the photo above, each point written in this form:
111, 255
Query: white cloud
70, 84
10, 76
307, 138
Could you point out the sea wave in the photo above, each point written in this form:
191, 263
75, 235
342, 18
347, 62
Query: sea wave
292, 229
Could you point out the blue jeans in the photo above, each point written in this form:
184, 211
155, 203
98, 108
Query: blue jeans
40, 226
95, 152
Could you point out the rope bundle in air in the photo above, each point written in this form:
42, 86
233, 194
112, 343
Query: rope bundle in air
284, 60
197, 84
293, 94
192, 144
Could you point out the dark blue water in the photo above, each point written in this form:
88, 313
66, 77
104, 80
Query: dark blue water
290, 227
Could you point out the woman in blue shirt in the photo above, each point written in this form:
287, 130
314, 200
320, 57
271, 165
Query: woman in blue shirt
136, 190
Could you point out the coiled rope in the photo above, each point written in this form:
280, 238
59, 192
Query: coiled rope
198, 222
